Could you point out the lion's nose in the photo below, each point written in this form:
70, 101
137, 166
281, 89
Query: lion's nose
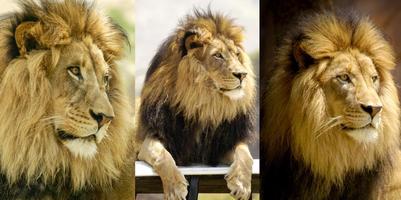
372, 110
240, 75
100, 118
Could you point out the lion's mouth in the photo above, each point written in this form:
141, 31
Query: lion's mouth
228, 89
347, 128
63, 135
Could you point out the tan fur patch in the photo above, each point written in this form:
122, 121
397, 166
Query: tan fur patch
174, 183
240, 174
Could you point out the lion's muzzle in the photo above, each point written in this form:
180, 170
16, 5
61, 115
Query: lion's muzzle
101, 118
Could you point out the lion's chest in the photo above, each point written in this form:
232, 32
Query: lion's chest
190, 142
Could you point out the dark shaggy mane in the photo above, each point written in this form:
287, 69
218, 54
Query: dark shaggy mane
159, 57
180, 135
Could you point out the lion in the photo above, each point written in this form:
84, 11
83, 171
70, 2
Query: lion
197, 104
331, 124
65, 124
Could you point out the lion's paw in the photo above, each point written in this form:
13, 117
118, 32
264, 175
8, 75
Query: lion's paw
175, 187
239, 181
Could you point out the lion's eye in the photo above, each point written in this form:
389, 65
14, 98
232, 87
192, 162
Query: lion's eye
75, 72
106, 80
375, 78
344, 78
218, 56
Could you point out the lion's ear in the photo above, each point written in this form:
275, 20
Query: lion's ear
194, 38
37, 35
27, 36
303, 59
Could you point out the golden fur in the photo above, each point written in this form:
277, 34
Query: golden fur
304, 112
38, 96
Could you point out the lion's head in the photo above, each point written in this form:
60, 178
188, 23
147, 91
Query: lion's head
350, 83
332, 101
63, 107
204, 56
221, 59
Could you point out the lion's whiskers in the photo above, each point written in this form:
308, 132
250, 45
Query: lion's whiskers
50, 122
51, 118
332, 122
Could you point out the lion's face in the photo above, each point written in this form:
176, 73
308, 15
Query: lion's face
351, 86
82, 110
224, 67
223, 62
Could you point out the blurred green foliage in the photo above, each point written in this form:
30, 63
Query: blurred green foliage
128, 26
255, 61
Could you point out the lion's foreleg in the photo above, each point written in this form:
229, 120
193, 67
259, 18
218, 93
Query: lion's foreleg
174, 183
240, 174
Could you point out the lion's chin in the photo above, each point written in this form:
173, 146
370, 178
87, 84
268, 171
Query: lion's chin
364, 135
82, 148
235, 94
